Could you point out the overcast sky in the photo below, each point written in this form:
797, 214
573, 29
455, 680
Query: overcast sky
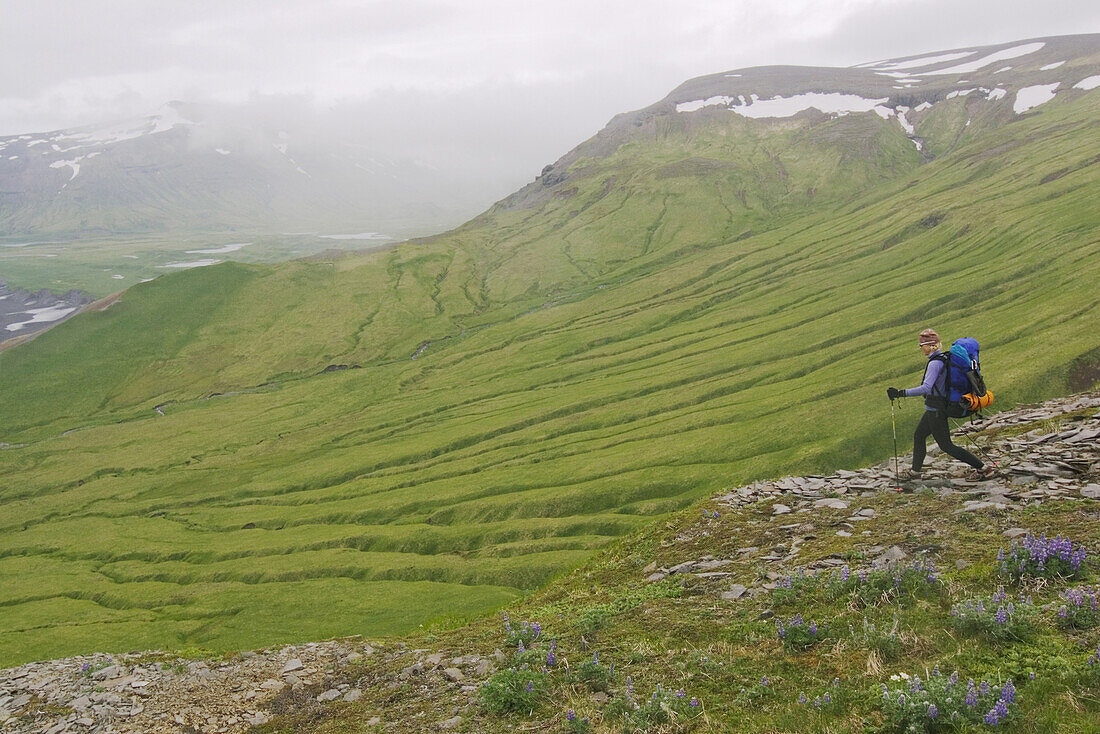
510, 83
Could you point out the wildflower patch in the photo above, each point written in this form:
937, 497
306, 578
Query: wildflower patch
797, 635
944, 703
1079, 608
662, 707
1042, 557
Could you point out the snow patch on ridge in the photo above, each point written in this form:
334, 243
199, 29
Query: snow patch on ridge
923, 61
1091, 82
832, 103
1008, 53
1048, 67
1030, 97
163, 121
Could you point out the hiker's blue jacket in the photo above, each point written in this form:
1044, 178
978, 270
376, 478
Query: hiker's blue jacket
934, 385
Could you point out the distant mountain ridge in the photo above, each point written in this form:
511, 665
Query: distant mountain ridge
188, 168
991, 85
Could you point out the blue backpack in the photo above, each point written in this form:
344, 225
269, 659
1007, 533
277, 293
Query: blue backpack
966, 391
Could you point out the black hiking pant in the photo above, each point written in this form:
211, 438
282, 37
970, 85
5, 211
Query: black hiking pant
934, 423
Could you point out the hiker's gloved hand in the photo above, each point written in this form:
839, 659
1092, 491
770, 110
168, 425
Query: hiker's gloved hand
893, 392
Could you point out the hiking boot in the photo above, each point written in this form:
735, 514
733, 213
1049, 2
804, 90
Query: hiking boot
908, 480
979, 475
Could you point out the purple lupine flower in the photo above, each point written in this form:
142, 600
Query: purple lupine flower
983, 688
997, 713
694, 703
936, 670
836, 682
570, 715
1063, 612
813, 628
933, 712
914, 684
551, 659
530, 686
845, 572
826, 698
596, 657
953, 678
1008, 692
1001, 554
716, 514
1000, 595
802, 697
629, 687
885, 692
681, 694
1031, 675
764, 681
1001, 617
862, 575
520, 648
817, 702
85, 667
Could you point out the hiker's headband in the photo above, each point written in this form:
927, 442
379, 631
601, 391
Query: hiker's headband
928, 337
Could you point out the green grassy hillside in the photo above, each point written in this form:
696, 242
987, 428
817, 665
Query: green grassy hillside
717, 300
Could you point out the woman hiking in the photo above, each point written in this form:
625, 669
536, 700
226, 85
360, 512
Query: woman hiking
934, 421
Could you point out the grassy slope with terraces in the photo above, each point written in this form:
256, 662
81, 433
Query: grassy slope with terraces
676, 633
680, 318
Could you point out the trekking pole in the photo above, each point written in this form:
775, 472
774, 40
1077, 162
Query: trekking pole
894, 428
981, 451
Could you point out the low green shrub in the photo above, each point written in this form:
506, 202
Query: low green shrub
885, 642
573, 725
886, 584
790, 589
593, 619
996, 617
659, 709
513, 690
526, 633
594, 675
